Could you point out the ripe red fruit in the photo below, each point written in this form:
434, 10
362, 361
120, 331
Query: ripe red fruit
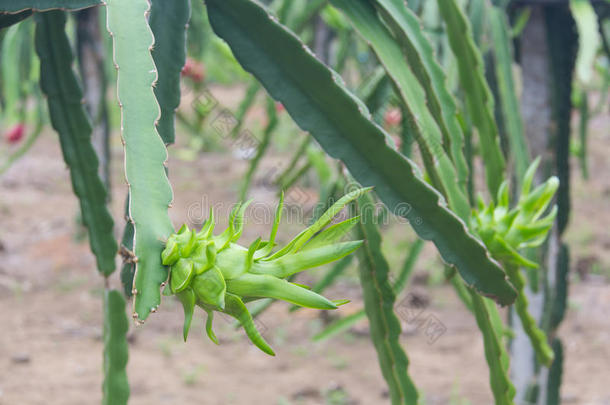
15, 134
194, 70
392, 117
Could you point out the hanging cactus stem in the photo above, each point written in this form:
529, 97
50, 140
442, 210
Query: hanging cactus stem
217, 274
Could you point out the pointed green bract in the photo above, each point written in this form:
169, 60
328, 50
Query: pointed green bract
145, 155
332, 234
69, 118
302, 238
208, 327
210, 287
266, 250
318, 101
182, 274
188, 300
237, 309
266, 286
288, 265
233, 231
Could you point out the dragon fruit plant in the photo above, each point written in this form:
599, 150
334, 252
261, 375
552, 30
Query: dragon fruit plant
486, 250
215, 273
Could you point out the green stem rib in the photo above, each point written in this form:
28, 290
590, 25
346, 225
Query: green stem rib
379, 307
115, 387
420, 56
128, 268
424, 127
145, 154
544, 353
479, 99
168, 21
507, 90
553, 385
70, 120
318, 101
495, 354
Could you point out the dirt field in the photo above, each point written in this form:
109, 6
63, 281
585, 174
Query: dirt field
50, 297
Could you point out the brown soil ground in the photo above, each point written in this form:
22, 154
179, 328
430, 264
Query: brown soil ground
50, 297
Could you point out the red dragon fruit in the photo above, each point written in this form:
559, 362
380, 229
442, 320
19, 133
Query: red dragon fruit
15, 134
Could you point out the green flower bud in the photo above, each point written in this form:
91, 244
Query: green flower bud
504, 231
217, 274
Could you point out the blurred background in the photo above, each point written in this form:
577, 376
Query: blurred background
234, 142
